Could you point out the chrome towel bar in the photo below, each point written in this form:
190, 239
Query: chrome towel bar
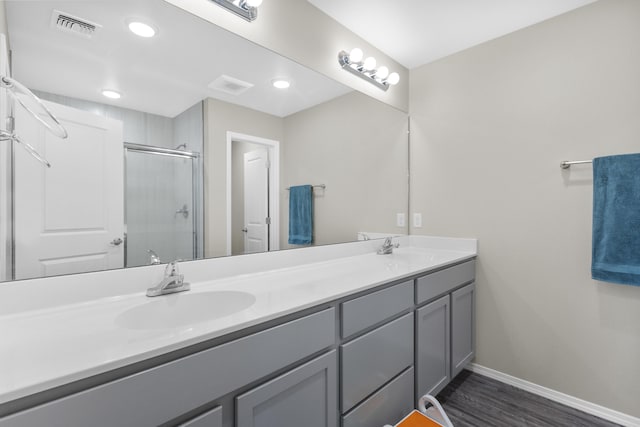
567, 164
324, 187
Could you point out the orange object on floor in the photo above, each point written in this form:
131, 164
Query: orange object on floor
417, 419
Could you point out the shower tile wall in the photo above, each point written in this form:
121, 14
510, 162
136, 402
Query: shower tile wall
138, 127
165, 132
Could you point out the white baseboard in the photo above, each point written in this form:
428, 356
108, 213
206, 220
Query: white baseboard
556, 396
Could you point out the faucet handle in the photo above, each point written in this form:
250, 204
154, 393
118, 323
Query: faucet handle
172, 268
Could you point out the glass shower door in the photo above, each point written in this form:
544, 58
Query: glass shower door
160, 204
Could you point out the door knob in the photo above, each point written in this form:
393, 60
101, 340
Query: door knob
116, 242
244, 230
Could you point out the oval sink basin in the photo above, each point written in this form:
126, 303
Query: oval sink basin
184, 309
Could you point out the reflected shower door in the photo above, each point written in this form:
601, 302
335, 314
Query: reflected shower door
161, 204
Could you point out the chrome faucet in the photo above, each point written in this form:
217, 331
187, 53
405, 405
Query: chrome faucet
387, 247
154, 259
173, 282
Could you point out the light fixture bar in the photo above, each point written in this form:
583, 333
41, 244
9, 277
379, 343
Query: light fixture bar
366, 69
239, 8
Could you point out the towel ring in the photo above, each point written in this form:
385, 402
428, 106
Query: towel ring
16, 87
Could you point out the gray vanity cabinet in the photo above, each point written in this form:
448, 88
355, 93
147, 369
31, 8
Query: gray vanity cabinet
463, 338
355, 362
212, 418
445, 329
433, 332
306, 396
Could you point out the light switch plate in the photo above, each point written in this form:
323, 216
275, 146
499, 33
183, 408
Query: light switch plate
400, 220
417, 220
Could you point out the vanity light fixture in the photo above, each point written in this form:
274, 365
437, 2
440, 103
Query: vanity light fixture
247, 9
353, 62
141, 29
112, 94
281, 83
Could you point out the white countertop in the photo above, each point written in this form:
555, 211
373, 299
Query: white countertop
51, 346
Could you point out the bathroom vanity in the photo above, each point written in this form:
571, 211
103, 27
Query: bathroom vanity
351, 341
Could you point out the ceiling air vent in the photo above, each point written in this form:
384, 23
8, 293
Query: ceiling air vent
74, 25
230, 85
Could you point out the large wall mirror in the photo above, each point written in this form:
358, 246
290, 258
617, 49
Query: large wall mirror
196, 155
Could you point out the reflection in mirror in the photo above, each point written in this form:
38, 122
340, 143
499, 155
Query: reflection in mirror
195, 154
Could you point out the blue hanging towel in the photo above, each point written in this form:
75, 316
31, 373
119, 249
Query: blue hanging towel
616, 219
301, 215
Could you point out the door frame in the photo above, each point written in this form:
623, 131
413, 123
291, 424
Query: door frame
273, 148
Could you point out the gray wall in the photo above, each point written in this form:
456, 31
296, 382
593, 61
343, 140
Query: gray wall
490, 126
357, 147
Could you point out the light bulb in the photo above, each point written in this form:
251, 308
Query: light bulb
111, 94
355, 55
141, 29
382, 72
369, 63
253, 3
393, 78
280, 83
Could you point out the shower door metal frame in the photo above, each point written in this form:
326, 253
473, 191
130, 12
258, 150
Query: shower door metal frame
196, 190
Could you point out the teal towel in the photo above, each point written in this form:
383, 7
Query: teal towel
301, 215
616, 219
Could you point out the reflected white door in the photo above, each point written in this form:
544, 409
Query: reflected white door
256, 201
69, 218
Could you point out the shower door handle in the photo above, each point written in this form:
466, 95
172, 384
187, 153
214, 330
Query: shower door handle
116, 242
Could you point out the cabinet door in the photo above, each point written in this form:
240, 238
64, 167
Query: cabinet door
433, 342
463, 338
306, 396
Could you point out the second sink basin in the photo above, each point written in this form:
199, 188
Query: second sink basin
183, 309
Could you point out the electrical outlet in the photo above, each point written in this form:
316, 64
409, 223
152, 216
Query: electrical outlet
417, 220
400, 220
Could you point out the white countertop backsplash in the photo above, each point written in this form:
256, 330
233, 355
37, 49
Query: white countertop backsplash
62, 329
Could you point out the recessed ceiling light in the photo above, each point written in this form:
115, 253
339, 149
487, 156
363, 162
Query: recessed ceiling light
111, 94
141, 29
281, 83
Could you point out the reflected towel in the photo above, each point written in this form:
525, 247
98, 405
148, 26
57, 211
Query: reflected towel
301, 215
616, 219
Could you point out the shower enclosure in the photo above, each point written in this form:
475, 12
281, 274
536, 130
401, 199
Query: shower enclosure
162, 204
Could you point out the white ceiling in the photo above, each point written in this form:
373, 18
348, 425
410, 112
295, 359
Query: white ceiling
416, 32
163, 75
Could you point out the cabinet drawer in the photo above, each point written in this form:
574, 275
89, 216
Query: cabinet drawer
360, 313
175, 388
213, 418
443, 281
371, 360
387, 406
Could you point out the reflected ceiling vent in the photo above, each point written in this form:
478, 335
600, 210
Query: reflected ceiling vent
74, 25
230, 85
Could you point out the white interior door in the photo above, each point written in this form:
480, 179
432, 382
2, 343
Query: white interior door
69, 218
256, 201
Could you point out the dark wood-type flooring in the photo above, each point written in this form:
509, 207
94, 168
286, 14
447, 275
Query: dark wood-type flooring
475, 400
